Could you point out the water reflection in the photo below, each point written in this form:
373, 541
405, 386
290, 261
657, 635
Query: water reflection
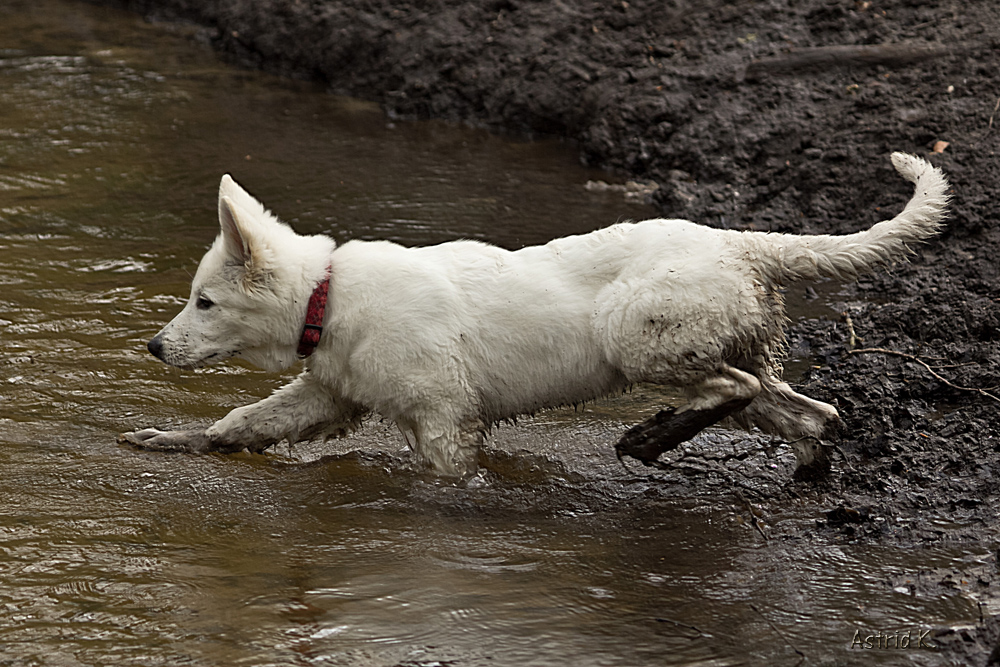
113, 135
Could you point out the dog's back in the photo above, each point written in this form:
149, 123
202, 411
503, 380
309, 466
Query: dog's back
664, 301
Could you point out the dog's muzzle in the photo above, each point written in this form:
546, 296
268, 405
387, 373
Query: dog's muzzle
155, 347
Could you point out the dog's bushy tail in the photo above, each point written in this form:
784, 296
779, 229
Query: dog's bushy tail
846, 257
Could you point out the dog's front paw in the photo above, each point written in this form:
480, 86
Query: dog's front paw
195, 441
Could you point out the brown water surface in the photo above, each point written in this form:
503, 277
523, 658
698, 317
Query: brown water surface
113, 136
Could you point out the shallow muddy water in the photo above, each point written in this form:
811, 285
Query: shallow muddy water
113, 135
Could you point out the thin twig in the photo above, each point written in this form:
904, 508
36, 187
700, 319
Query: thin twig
683, 625
802, 656
847, 461
853, 339
990, 126
967, 363
924, 24
724, 458
880, 350
749, 508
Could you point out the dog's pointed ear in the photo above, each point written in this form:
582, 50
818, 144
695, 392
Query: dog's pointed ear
238, 230
241, 245
235, 221
235, 236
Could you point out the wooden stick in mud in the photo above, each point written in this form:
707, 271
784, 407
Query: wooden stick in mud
849, 55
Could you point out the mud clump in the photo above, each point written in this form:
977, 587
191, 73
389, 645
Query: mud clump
748, 115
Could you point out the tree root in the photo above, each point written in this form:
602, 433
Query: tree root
937, 376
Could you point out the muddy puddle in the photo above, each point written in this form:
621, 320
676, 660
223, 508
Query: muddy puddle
113, 136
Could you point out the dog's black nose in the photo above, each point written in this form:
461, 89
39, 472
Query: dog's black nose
155, 347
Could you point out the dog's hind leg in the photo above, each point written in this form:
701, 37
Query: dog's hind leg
802, 421
450, 450
710, 401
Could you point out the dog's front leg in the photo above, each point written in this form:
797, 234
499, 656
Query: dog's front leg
194, 441
300, 408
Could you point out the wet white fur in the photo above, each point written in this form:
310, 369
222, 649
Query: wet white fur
448, 339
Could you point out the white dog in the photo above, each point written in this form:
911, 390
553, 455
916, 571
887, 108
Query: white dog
450, 339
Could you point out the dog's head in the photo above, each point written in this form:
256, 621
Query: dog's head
249, 295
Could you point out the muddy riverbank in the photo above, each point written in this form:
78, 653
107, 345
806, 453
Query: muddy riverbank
752, 115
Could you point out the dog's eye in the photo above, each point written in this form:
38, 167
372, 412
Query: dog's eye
204, 303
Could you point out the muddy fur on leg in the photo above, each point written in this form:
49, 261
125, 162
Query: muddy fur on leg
668, 428
812, 459
812, 453
807, 425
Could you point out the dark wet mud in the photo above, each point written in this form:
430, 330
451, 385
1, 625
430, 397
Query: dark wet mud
751, 115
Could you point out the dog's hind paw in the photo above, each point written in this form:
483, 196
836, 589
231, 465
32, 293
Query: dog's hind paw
812, 459
669, 428
195, 441
646, 441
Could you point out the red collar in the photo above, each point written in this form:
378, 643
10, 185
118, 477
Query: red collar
313, 328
